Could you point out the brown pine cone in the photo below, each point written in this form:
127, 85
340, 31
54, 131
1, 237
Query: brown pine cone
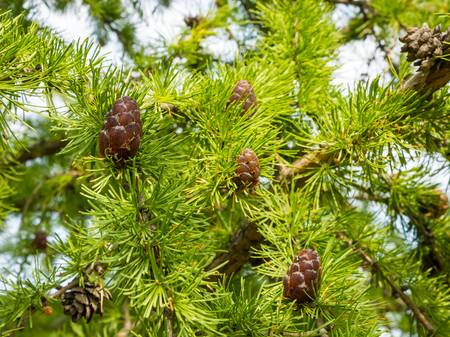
247, 172
121, 134
40, 240
303, 277
424, 45
243, 91
435, 207
84, 302
193, 21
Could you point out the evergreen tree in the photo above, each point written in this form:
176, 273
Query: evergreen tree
181, 195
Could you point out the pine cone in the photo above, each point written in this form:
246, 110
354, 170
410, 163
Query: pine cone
435, 207
84, 302
243, 91
122, 130
424, 45
247, 173
40, 240
303, 277
193, 21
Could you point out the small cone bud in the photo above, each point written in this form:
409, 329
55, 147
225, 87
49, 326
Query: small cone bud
40, 240
243, 92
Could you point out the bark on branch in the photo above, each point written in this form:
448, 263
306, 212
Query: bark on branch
427, 82
239, 250
375, 266
308, 161
41, 149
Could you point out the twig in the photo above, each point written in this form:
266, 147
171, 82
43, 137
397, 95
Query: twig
429, 81
424, 233
168, 313
358, 3
306, 162
127, 323
61, 290
41, 149
239, 250
420, 316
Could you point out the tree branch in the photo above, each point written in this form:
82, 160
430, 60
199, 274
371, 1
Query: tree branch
127, 324
61, 290
41, 149
419, 315
308, 161
239, 250
358, 3
429, 81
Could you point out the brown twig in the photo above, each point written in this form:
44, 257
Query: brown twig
308, 161
430, 81
358, 3
61, 290
419, 315
239, 250
41, 149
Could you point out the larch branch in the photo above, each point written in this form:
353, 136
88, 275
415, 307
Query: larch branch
418, 314
239, 250
41, 149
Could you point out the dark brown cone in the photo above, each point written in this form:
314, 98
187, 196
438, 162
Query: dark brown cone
424, 45
303, 277
247, 172
193, 21
436, 207
84, 302
40, 240
121, 134
243, 92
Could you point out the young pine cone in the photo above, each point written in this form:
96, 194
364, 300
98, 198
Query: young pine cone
84, 302
243, 92
303, 277
122, 130
247, 172
40, 240
435, 207
423, 44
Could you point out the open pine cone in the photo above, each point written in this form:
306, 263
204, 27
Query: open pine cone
121, 134
303, 277
423, 45
84, 302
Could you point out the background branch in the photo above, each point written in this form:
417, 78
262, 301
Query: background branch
41, 149
375, 266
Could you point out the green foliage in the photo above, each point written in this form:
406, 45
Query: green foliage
171, 225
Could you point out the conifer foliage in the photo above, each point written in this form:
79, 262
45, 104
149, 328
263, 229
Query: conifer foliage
185, 194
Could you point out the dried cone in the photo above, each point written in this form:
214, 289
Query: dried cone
424, 45
122, 130
303, 277
243, 92
437, 206
84, 302
40, 240
247, 172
